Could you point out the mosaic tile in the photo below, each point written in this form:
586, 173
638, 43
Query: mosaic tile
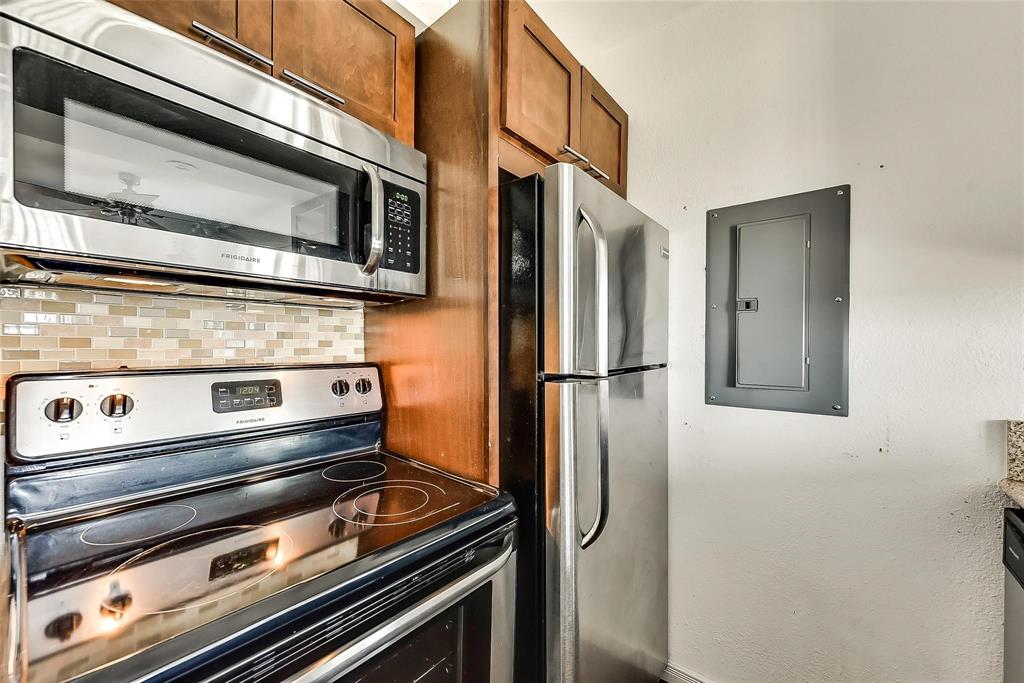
55, 329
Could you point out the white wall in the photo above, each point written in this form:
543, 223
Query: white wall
810, 548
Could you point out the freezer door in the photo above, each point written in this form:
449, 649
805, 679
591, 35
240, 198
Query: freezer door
605, 284
607, 526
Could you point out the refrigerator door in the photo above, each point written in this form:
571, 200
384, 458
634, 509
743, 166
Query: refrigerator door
607, 529
605, 279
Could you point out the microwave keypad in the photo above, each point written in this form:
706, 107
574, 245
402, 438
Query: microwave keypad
402, 231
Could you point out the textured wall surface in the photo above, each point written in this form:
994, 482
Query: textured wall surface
818, 548
50, 329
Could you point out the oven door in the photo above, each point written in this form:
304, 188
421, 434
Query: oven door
113, 165
462, 633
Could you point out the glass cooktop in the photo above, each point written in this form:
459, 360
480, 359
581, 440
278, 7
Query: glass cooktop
103, 589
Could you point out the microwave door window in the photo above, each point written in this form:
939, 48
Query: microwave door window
116, 159
90, 146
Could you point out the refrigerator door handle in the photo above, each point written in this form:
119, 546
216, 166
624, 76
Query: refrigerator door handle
601, 293
594, 533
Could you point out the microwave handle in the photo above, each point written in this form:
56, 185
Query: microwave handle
376, 220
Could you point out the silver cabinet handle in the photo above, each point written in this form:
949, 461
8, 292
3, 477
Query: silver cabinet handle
313, 87
376, 220
603, 485
601, 290
566, 149
347, 658
597, 172
212, 36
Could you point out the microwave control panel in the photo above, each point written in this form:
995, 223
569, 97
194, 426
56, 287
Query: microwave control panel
401, 230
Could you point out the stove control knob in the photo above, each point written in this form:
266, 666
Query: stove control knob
340, 387
63, 409
363, 385
116, 604
117, 405
63, 626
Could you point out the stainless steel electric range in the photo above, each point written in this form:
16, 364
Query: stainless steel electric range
242, 524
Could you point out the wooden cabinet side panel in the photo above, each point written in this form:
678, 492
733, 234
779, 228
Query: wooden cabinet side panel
605, 132
434, 352
540, 82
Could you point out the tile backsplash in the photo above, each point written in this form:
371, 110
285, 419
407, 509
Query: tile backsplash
51, 329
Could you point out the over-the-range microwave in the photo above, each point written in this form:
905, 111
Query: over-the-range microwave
137, 158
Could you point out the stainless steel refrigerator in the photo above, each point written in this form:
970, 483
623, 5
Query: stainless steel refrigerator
583, 347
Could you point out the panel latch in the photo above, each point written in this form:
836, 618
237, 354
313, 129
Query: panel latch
743, 305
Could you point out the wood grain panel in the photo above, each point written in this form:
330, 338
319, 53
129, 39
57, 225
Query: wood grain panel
177, 15
434, 352
360, 50
224, 16
517, 159
605, 132
540, 82
256, 25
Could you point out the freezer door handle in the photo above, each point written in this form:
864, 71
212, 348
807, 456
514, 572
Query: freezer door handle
588, 537
600, 291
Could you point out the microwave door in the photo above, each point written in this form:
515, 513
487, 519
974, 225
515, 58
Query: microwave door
111, 171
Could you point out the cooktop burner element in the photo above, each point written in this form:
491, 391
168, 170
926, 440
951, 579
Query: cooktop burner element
354, 471
367, 494
404, 501
195, 570
139, 525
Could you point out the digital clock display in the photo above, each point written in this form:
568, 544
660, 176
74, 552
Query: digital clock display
249, 395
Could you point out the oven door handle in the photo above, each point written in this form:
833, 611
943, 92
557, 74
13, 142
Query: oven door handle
376, 220
354, 654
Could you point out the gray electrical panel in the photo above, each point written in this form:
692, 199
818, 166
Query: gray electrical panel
778, 281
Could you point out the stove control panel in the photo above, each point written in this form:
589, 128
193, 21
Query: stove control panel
61, 415
255, 394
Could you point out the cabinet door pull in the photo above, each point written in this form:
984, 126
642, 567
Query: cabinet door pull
312, 87
597, 172
566, 149
212, 36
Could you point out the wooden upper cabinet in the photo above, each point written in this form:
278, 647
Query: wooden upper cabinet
247, 23
360, 51
540, 101
605, 133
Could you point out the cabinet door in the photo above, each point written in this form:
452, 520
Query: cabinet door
246, 22
540, 83
361, 51
605, 133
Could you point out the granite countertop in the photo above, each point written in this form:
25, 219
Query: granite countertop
1014, 489
1013, 485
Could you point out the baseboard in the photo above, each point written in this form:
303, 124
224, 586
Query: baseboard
673, 674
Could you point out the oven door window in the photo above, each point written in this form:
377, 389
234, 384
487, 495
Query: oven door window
89, 146
453, 647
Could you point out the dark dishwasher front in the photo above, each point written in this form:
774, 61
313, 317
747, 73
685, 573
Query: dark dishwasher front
1013, 561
